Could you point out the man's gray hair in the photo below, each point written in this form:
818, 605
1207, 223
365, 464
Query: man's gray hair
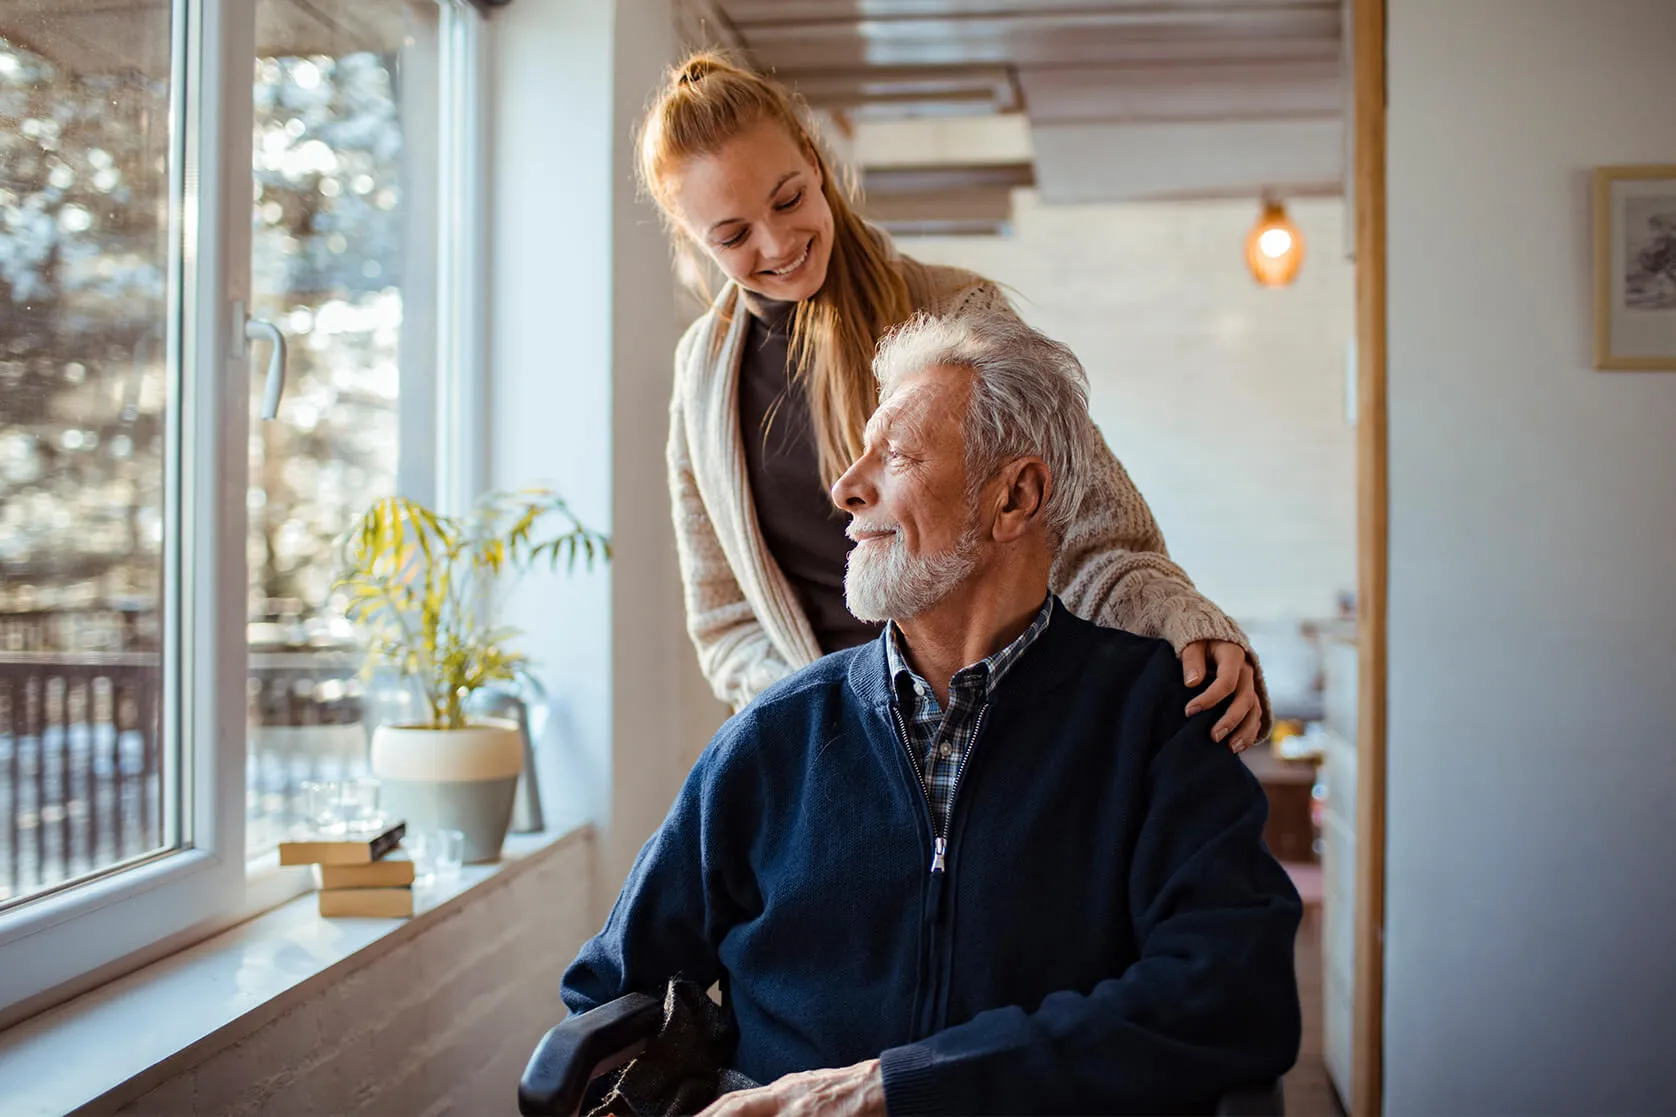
1029, 398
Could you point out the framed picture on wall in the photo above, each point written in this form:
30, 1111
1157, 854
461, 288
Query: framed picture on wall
1635, 267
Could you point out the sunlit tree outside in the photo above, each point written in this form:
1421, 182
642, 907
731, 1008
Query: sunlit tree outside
84, 256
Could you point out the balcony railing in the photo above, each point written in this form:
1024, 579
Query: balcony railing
82, 774
305, 722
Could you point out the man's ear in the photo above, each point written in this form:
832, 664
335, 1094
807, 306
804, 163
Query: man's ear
1025, 485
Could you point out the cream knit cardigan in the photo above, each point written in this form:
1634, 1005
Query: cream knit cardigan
742, 614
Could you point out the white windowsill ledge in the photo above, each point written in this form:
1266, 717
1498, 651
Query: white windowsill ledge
120, 1040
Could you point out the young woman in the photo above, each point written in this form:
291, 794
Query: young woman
774, 385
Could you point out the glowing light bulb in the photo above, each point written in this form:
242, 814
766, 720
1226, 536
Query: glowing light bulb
1274, 249
1275, 243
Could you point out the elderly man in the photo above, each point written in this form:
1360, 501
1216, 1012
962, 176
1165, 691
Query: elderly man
983, 864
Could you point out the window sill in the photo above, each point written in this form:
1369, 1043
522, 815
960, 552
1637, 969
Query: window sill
114, 1043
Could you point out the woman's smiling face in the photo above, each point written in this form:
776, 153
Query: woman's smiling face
756, 207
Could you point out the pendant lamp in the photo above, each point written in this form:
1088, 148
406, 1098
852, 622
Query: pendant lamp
1274, 249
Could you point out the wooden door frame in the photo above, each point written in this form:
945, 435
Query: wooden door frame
1372, 551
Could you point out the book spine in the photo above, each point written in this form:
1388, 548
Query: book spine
388, 840
367, 903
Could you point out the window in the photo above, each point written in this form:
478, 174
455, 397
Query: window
345, 153
86, 286
172, 659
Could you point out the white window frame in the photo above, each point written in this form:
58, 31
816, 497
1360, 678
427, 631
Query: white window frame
450, 414
62, 943
49, 943
462, 259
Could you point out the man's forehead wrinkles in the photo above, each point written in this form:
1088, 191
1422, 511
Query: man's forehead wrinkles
888, 415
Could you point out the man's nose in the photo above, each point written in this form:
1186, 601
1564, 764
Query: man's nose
852, 492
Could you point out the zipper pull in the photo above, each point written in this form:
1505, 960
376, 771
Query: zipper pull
939, 848
938, 881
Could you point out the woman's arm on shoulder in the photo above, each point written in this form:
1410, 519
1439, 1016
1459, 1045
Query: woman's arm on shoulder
1113, 569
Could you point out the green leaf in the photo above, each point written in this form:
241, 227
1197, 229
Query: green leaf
412, 581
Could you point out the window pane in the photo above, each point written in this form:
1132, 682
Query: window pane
85, 280
344, 150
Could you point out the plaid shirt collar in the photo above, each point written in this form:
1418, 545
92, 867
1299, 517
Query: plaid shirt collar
939, 740
989, 672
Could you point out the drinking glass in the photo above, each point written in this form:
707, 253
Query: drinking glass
342, 807
437, 855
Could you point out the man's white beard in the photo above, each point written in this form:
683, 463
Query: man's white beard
883, 582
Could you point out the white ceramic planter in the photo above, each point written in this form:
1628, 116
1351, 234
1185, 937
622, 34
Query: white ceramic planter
458, 779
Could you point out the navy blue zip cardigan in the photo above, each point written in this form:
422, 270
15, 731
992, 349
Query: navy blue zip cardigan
1107, 933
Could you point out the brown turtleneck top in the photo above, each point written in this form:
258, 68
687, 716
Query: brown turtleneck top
804, 532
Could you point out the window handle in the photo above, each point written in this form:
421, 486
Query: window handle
260, 329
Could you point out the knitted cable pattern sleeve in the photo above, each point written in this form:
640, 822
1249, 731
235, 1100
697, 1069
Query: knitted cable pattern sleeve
1113, 568
734, 650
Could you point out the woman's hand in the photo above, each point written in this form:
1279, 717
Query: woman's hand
1232, 674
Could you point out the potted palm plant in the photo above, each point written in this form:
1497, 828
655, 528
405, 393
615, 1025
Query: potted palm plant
421, 589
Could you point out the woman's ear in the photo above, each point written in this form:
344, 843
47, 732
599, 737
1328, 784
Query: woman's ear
1025, 484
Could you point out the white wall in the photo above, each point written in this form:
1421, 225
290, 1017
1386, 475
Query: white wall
1223, 399
1532, 755
583, 340
662, 711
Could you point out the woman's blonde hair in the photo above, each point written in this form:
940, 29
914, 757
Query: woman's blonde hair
707, 101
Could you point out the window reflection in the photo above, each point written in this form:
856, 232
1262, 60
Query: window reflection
341, 149
84, 256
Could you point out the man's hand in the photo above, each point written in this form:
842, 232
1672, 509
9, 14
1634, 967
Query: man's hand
1233, 675
857, 1091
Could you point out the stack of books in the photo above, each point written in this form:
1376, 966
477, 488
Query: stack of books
365, 875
